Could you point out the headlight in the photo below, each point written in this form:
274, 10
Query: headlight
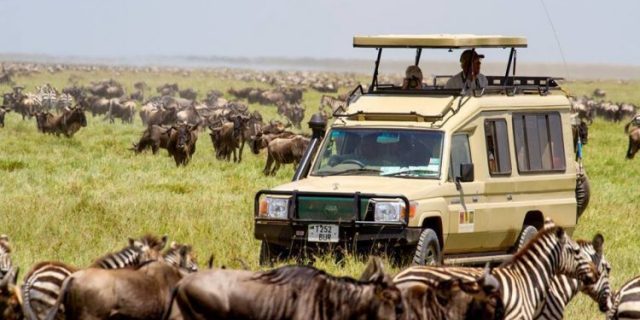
388, 211
277, 208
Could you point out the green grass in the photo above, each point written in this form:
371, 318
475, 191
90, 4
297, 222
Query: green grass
76, 199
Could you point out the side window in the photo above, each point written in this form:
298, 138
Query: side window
495, 131
460, 153
538, 142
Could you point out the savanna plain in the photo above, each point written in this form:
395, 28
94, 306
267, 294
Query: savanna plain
76, 199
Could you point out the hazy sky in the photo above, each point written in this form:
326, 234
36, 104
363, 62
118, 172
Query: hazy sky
589, 31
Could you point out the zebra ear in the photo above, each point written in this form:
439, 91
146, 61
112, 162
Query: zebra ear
131, 242
4, 237
598, 243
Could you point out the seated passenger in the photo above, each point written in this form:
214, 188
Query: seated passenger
412, 78
470, 76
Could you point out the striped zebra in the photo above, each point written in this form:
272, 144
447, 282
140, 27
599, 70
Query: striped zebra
5, 256
626, 302
525, 279
179, 255
43, 282
563, 288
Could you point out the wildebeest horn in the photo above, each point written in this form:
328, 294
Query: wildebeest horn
373, 271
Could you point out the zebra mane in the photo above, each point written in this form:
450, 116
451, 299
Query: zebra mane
555, 231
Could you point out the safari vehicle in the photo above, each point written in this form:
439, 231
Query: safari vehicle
431, 175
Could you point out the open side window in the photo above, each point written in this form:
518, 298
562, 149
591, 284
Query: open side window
460, 154
538, 142
496, 137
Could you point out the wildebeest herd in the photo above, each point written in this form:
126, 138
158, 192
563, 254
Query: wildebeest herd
173, 122
141, 281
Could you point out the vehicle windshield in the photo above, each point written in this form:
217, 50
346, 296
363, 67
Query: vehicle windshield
380, 152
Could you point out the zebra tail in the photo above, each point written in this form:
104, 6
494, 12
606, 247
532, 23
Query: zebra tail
63, 295
172, 297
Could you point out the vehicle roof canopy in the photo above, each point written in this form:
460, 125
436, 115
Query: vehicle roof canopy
447, 41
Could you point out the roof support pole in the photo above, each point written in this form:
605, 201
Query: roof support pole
511, 58
374, 81
418, 54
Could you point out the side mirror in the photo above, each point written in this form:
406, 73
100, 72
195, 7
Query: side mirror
466, 172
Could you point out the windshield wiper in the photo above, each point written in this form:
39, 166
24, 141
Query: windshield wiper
405, 172
358, 170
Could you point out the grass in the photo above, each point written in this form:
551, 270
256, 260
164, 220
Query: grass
75, 199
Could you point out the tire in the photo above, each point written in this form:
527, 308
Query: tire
583, 193
527, 233
428, 249
271, 253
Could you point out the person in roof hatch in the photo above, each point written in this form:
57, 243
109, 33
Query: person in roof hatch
470, 76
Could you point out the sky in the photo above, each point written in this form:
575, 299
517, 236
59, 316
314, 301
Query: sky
588, 31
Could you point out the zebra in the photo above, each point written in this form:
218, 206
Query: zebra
5, 256
43, 282
563, 288
179, 255
626, 301
525, 279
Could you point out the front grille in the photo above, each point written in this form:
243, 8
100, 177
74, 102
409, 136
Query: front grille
329, 208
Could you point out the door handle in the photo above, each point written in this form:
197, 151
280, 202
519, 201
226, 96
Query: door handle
509, 197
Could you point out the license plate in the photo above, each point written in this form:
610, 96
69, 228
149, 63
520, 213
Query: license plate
323, 233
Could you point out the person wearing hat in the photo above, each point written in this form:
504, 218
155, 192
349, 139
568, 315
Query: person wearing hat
470, 76
412, 78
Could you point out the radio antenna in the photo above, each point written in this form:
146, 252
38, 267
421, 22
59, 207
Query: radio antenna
555, 34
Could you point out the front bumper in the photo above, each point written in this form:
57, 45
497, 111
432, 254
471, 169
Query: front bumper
352, 235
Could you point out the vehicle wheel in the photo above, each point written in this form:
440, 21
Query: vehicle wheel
582, 193
428, 249
527, 233
271, 253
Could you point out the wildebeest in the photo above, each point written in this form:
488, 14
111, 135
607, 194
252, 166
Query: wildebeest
188, 93
43, 283
123, 109
10, 299
290, 292
168, 89
67, 123
163, 116
284, 150
154, 137
3, 111
633, 128
182, 143
455, 298
261, 140
121, 293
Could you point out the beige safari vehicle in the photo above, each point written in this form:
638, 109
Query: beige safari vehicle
430, 175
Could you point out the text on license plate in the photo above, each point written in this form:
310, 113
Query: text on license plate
323, 233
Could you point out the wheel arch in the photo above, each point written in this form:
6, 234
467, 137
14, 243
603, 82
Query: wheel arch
534, 218
434, 223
